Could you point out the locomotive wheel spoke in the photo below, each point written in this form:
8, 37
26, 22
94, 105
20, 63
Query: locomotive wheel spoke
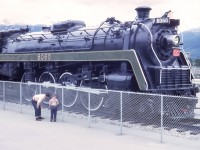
47, 77
67, 79
28, 90
146, 110
69, 95
96, 100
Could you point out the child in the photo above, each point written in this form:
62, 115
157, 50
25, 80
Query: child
53, 104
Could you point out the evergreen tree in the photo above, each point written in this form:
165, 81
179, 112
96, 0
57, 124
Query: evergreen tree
197, 62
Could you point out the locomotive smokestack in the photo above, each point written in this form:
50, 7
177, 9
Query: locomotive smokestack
143, 12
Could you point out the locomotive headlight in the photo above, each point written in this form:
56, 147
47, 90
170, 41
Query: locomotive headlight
176, 40
171, 41
167, 43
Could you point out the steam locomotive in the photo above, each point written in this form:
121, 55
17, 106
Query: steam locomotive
143, 55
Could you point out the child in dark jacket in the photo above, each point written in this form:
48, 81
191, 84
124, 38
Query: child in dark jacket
53, 105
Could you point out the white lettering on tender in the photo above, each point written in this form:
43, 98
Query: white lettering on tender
44, 57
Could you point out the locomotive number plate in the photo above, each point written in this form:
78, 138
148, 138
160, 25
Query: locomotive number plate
44, 57
162, 20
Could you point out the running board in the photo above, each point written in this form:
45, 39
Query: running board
83, 56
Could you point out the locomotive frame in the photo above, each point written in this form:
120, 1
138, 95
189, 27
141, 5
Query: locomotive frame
86, 56
105, 56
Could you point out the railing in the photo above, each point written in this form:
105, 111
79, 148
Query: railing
141, 114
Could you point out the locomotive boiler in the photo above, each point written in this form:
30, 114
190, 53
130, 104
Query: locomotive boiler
143, 55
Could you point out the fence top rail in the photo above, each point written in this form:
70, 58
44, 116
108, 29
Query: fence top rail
91, 90
69, 87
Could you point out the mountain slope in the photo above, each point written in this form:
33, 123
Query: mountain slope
191, 42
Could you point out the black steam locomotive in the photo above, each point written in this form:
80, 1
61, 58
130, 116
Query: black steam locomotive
143, 55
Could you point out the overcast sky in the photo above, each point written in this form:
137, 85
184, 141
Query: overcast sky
93, 12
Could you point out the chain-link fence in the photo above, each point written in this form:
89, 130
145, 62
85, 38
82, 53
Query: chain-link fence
141, 114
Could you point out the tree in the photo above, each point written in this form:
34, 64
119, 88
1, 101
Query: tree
197, 62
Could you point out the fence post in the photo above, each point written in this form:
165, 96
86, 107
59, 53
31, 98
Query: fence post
62, 105
161, 121
121, 123
89, 110
40, 89
20, 96
4, 95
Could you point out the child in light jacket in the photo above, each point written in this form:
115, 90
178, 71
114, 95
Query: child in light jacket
53, 105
